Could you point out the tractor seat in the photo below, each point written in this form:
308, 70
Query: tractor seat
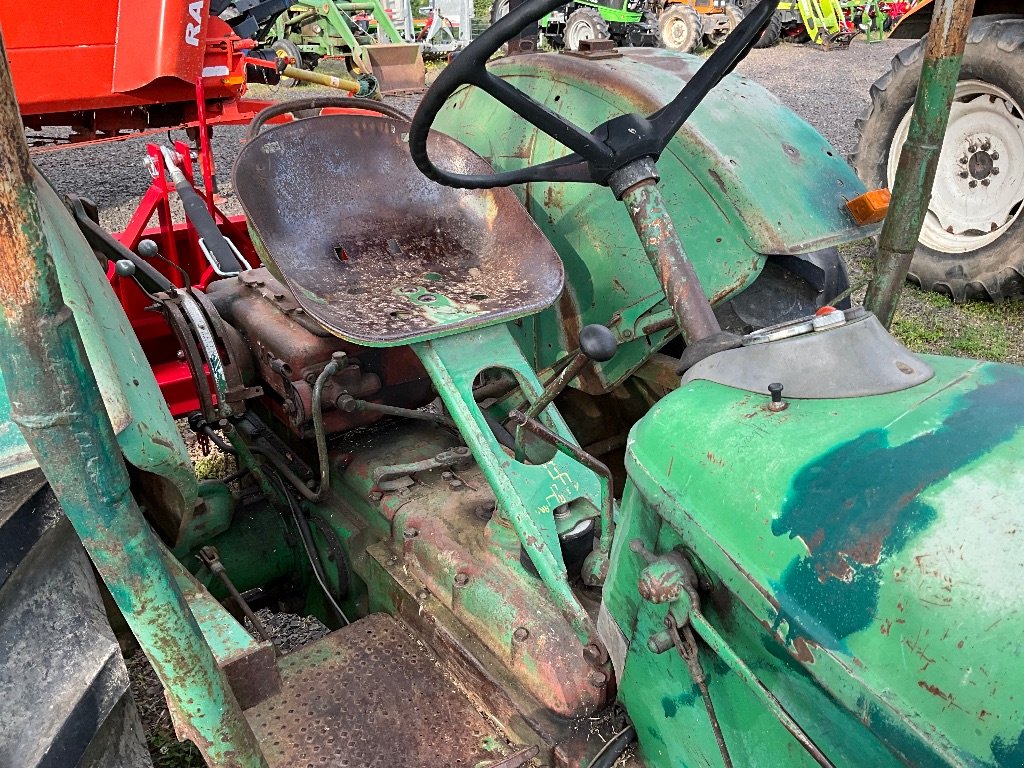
377, 253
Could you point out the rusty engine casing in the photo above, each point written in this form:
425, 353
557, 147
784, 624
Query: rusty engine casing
290, 350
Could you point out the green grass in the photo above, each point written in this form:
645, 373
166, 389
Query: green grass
167, 752
931, 323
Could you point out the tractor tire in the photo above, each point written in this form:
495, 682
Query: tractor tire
64, 698
771, 33
499, 10
972, 241
680, 28
287, 48
585, 24
733, 16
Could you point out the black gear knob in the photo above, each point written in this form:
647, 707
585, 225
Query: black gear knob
598, 343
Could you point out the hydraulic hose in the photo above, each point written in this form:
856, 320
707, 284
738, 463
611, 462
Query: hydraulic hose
614, 748
318, 428
306, 535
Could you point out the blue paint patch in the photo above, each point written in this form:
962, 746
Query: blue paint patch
1007, 754
861, 501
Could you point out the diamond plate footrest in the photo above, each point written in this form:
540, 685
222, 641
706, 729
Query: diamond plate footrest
369, 695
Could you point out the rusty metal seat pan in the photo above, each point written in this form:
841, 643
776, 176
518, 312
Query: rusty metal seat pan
377, 253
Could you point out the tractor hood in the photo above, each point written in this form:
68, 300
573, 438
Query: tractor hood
866, 558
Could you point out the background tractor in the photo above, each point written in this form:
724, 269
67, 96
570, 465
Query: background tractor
626, 23
972, 241
686, 25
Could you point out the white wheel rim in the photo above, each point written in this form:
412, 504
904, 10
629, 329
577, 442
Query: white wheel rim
984, 144
581, 30
502, 9
677, 33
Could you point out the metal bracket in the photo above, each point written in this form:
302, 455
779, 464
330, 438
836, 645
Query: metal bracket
527, 493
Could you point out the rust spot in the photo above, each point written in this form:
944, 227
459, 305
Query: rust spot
719, 182
715, 460
792, 153
886, 627
938, 693
803, 651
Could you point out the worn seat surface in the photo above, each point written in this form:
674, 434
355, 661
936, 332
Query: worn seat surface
376, 252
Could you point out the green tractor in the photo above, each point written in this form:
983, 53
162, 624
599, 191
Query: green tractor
625, 23
453, 396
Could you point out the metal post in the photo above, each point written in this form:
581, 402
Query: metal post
56, 402
653, 224
915, 175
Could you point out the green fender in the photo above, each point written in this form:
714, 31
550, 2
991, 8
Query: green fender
146, 432
743, 179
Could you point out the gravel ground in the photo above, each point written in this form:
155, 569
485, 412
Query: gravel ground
828, 90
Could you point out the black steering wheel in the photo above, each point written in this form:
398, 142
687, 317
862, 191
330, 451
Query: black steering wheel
596, 155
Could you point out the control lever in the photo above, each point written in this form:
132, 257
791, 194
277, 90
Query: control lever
597, 344
220, 252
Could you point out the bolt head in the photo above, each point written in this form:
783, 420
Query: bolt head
972, 148
994, 155
422, 594
461, 579
597, 679
410, 533
520, 634
963, 160
985, 182
972, 184
995, 171
964, 174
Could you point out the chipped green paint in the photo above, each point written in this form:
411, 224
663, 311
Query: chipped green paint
55, 399
864, 560
146, 433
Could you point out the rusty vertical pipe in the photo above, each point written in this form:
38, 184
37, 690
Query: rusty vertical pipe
56, 403
653, 223
915, 174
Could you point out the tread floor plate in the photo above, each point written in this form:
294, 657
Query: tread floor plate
369, 695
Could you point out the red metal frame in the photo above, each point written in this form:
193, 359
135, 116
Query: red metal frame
179, 247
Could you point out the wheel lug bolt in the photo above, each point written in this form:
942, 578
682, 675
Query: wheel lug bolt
995, 155
963, 160
986, 145
973, 184
985, 182
995, 171
964, 174
972, 148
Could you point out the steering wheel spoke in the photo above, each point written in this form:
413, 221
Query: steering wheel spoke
569, 135
597, 154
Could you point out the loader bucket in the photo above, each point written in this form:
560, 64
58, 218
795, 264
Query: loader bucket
398, 67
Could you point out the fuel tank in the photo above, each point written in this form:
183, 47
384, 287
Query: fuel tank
861, 554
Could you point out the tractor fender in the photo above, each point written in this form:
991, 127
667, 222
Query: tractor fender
744, 179
147, 434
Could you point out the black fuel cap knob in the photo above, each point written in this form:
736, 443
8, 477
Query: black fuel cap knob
598, 343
